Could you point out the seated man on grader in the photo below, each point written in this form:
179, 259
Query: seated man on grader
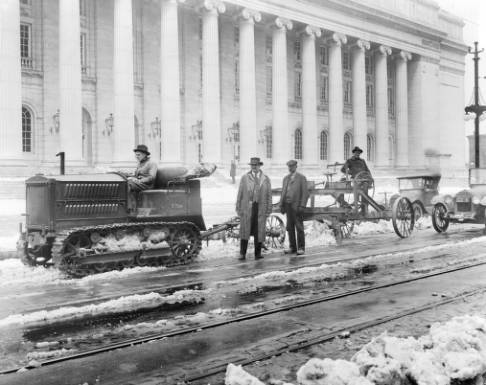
355, 166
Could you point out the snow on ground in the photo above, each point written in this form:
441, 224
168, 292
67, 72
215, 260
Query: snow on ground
125, 304
454, 351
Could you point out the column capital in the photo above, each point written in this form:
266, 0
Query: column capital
250, 15
337, 38
312, 31
213, 6
363, 45
283, 23
404, 55
384, 50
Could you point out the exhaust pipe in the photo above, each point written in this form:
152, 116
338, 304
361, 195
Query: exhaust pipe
62, 156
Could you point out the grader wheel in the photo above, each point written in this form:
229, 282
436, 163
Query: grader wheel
275, 232
403, 217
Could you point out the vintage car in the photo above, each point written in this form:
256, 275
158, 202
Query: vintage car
467, 206
420, 190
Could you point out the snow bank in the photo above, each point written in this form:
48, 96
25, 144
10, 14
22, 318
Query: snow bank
125, 304
454, 351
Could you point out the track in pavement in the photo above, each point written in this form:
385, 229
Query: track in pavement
165, 338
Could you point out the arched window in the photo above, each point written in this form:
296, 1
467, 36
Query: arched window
323, 146
370, 148
347, 146
26, 130
298, 144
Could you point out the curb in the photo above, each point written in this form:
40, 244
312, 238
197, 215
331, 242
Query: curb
6, 254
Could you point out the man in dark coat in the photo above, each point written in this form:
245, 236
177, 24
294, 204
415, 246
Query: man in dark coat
253, 206
353, 166
292, 203
144, 176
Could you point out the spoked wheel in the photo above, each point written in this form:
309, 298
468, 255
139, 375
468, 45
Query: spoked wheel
274, 231
403, 217
418, 211
185, 244
440, 221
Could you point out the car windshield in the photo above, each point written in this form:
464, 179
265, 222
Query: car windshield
409, 184
477, 176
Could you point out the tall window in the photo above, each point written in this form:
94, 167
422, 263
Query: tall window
297, 51
323, 89
370, 148
323, 146
298, 144
26, 130
83, 8
298, 85
268, 67
323, 55
391, 102
84, 52
368, 64
347, 92
347, 146
268, 141
346, 60
370, 96
25, 45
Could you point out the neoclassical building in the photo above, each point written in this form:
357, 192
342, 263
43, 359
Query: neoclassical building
211, 80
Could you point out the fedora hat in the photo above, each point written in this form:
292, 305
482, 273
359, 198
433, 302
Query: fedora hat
292, 162
142, 148
256, 161
357, 149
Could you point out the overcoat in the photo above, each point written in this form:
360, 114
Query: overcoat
145, 173
300, 192
243, 204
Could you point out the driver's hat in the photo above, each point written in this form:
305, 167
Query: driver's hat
357, 149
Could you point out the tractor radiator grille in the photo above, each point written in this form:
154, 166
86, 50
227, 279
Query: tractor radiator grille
91, 190
88, 209
463, 206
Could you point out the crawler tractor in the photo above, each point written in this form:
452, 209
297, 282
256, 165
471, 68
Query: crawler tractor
84, 224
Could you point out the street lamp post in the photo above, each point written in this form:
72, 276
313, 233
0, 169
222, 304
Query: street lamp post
476, 108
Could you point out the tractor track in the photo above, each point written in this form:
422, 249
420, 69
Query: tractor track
301, 344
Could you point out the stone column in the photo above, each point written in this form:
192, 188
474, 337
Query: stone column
248, 125
10, 82
211, 108
381, 106
70, 97
402, 108
336, 121
170, 108
309, 95
280, 113
360, 128
124, 105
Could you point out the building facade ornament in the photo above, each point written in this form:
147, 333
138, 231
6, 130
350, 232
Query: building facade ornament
384, 50
363, 45
312, 31
214, 6
283, 23
405, 55
251, 15
338, 38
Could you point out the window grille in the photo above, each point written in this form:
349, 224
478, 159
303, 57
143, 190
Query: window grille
83, 8
25, 45
323, 145
26, 130
297, 51
368, 64
83, 52
323, 55
391, 102
269, 84
323, 89
268, 141
298, 86
346, 60
298, 144
369, 96
347, 92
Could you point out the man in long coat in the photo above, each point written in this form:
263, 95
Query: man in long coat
292, 203
144, 176
253, 206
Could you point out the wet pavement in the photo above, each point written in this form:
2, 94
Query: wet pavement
173, 359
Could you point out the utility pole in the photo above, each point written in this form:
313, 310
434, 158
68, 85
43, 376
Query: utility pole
476, 107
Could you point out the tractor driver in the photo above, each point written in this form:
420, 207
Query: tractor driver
144, 176
353, 166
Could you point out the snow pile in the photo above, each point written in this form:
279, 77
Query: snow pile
451, 352
128, 303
